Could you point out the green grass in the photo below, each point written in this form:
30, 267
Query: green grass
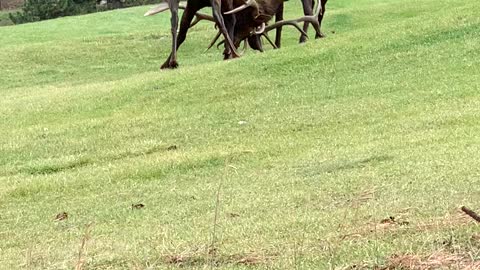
380, 119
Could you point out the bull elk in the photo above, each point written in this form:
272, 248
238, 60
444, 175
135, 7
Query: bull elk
173, 6
253, 15
249, 22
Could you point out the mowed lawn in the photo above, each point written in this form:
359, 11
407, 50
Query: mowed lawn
354, 150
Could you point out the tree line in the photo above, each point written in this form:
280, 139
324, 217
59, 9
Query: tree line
38, 10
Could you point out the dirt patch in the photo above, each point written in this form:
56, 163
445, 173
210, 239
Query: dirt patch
196, 260
400, 225
61, 216
437, 260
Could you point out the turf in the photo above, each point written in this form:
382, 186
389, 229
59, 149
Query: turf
292, 158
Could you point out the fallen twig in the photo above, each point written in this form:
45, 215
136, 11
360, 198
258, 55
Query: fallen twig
471, 213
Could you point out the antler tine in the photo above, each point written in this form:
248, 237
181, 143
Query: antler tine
157, 9
164, 6
249, 3
220, 43
261, 29
214, 41
200, 16
293, 23
264, 34
309, 18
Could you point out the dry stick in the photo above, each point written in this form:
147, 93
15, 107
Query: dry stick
471, 213
83, 248
212, 250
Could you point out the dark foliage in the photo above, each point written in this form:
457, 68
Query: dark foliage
38, 10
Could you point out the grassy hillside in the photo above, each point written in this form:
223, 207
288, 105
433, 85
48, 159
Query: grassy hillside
294, 158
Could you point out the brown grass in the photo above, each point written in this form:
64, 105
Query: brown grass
189, 260
83, 248
436, 260
398, 225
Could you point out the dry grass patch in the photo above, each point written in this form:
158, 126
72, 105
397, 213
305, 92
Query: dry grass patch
195, 260
400, 224
436, 260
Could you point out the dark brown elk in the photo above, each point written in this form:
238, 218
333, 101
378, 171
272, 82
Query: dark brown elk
250, 20
253, 16
223, 22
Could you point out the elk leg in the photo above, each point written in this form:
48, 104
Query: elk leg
316, 24
307, 10
187, 18
217, 9
278, 34
172, 63
230, 21
320, 18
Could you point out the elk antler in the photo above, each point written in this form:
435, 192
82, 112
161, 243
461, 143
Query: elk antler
249, 3
214, 41
200, 16
293, 23
158, 9
309, 18
264, 34
164, 6
260, 29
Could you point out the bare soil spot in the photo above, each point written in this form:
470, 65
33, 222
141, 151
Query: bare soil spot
138, 206
61, 216
172, 148
399, 225
436, 260
195, 260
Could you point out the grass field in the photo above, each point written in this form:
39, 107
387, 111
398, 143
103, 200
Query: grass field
288, 159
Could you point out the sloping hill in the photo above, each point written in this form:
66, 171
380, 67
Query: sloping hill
294, 158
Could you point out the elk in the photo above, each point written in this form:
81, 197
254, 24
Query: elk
308, 6
251, 18
253, 15
173, 6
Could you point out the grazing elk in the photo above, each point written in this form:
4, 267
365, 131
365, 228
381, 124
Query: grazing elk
173, 6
